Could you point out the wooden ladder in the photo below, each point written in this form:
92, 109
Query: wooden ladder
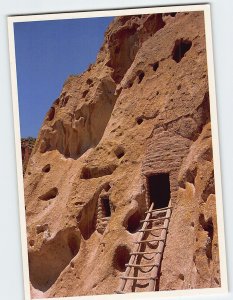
155, 255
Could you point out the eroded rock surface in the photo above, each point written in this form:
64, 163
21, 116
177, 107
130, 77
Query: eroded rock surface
141, 109
27, 145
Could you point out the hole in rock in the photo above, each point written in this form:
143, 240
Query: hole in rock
180, 48
159, 189
139, 120
89, 81
52, 193
209, 228
141, 75
155, 66
46, 168
31, 243
51, 114
95, 172
121, 257
41, 228
181, 276
85, 93
119, 152
46, 264
133, 223
106, 207
107, 187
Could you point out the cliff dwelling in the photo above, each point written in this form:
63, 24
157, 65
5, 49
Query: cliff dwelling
119, 188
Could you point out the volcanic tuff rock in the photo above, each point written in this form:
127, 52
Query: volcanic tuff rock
142, 108
27, 145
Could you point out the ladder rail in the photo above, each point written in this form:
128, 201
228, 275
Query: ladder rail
158, 256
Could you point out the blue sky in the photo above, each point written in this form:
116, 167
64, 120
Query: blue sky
47, 52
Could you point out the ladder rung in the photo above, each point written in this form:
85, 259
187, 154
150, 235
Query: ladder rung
159, 209
136, 278
157, 219
148, 241
151, 229
152, 252
142, 266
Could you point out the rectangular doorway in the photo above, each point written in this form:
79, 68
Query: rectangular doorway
159, 189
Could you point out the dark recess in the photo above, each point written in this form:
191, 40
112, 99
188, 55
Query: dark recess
180, 48
141, 75
139, 120
134, 222
159, 189
106, 207
155, 66
51, 114
121, 257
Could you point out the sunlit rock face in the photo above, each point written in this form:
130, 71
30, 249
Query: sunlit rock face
142, 108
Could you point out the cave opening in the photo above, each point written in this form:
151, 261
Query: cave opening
106, 207
121, 257
180, 48
141, 75
159, 189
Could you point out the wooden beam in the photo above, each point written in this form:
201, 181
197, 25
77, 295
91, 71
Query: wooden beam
159, 209
142, 266
148, 241
155, 219
135, 278
139, 253
151, 229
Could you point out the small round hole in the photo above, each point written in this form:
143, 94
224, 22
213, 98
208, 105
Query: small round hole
31, 243
155, 66
46, 168
139, 120
181, 277
89, 81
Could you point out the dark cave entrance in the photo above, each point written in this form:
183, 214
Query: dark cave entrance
106, 207
180, 48
159, 189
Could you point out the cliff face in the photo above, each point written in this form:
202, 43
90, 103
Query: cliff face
141, 109
27, 145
